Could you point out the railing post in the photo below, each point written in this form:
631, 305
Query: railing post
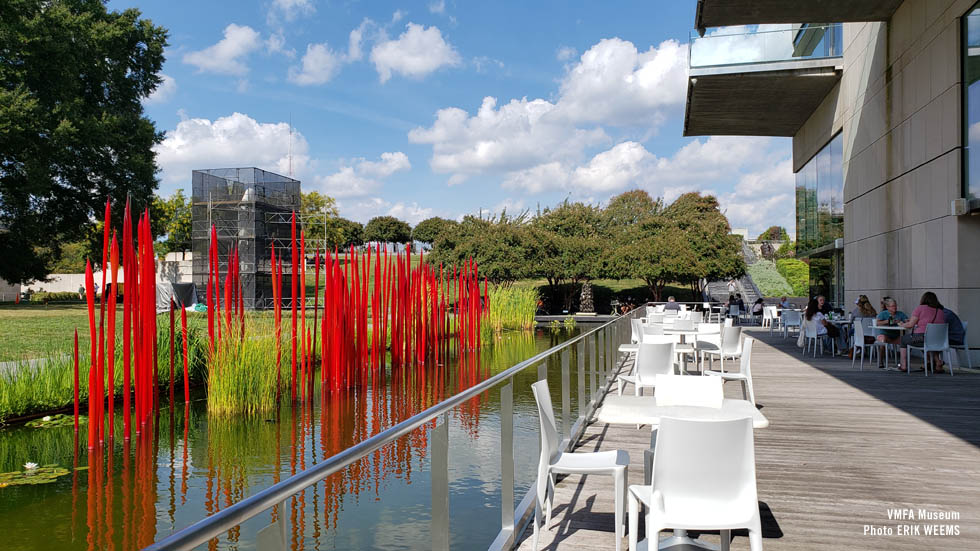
580, 357
440, 485
566, 396
592, 368
507, 458
543, 370
601, 351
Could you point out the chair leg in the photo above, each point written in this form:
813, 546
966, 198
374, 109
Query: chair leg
755, 539
748, 386
537, 521
726, 540
620, 477
634, 516
949, 361
550, 496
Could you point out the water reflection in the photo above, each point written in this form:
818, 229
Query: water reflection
184, 467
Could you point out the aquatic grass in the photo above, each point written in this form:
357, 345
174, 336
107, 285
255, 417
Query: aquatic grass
510, 309
242, 376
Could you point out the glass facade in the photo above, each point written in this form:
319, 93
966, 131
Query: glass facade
971, 98
820, 220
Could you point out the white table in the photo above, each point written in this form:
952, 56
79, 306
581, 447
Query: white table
643, 410
683, 333
892, 331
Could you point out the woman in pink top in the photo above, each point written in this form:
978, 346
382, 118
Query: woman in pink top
928, 311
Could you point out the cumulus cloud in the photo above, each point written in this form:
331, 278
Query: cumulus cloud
235, 140
614, 83
290, 9
318, 66
362, 210
361, 177
416, 53
164, 92
276, 44
565, 53
227, 56
437, 7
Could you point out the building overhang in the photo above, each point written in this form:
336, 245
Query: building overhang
762, 99
723, 13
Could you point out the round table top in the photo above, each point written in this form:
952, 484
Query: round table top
888, 328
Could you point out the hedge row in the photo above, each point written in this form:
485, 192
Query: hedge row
46, 296
797, 274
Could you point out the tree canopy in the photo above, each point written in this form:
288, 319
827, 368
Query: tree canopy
387, 229
172, 219
351, 234
774, 233
72, 129
428, 230
320, 219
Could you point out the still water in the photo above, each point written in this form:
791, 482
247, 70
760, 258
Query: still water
187, 466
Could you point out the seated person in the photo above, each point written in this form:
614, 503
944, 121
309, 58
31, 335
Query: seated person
739, 302
823, 305
928, 311
785, 303
824, 328
957, 334
890, 315
672, 305
863, 308
758, 307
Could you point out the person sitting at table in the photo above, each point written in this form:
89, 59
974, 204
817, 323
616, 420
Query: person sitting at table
928, 311
890, 316
785, 303
825, 329
731, 300
957, 334
672, 305
863, 308
740, 302
823, 305
758, 307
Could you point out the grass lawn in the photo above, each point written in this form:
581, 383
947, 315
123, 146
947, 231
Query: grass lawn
37, 331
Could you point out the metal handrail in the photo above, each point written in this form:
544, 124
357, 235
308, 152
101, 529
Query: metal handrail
222, 521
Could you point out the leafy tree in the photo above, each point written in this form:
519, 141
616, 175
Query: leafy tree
570, 248
626, 210
716, 253
320, 219
172, 218
502, 247
786, 250
72, 259
72, 130
429, 229
774, 233
350, 234
387, 229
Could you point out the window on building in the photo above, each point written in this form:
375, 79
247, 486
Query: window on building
971, 98
820, 198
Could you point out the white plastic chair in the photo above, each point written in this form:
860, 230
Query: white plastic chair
729, 322
731, 347
965, 347
768, 313
672, 390
684, 495
554, 461
636, 334
858, 344
734, 312
652, 358
744, 373
936, 340
810, 338
653, 319
650, 330
791, 319
696, 317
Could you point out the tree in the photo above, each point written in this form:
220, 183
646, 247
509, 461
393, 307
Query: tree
351, 234
502, 247
571, 248
387, 229
627, 209
72, 130
716, 253
774, 233
172, 219
428, 230
320, 219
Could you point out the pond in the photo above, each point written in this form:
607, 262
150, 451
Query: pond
187, 465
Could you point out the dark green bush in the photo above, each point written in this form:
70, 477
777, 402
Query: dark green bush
44, 297
797, 274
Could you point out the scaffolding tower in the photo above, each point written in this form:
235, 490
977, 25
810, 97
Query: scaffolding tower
246, 206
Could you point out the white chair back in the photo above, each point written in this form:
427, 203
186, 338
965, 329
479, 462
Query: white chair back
653, 360
636, 329
549, 435
810, 329
728, 322
683, 308
650, 311
730, 483
679, 390
791, 318
937, 336
684, 325
858, 341
696, 317
655, 318
709, 328
731, 340
652, 330
733, 310
658, 308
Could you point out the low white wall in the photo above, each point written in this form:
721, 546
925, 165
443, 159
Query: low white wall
177, 268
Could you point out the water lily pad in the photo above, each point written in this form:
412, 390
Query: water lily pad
40, 475
54, 421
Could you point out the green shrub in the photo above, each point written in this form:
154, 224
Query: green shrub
797, 274
46, 297
769, 280
786, 250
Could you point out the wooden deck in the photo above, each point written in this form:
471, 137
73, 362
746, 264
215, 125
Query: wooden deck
844, 447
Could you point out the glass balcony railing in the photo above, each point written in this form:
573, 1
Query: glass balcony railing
743, 45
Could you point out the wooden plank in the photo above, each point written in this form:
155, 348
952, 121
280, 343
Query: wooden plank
844, 447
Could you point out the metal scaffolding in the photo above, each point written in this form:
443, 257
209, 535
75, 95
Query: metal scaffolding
245, 205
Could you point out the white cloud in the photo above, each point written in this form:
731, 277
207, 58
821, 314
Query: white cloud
276, 44
416, 53
164, 92
290, 9
762, 198
565, 53
227, 56
437, 7
518, 135
397, 16
235, 140
365, 209
615, 84
318, 66
361, 177
482, 63
354, 49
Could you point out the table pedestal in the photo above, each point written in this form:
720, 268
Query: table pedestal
680, 541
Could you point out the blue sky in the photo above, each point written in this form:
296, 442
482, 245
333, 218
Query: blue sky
443, 108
